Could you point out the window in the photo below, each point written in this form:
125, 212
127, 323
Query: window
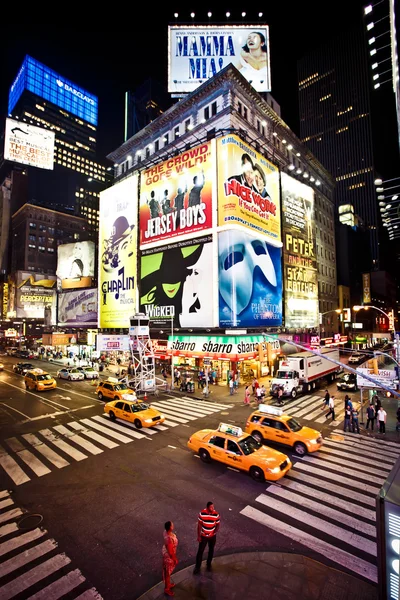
32, 238
119, 405
187, 125
42, 228
50, 240
51, 230
41, 239
156, 145
42, 249
32, 246
207, 113
166, 139
214, 109
240, 107
176, 133
245, 112
269, 423
32, 225
51, 250
217, 440
233, 447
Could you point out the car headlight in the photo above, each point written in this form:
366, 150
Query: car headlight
313, 442
275, 470
148, 420
162, 416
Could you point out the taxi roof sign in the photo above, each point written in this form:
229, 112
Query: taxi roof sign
113, 380
232, 429
270, 410
37, 371
131, 397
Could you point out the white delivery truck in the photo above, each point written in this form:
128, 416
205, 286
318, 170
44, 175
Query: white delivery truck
301, 372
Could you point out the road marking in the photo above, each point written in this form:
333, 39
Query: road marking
6, 502
94, 436
26, 455
4, 494
171, 424
345, 559
365, 445
70, 450
360, 453
118, 427
61, 587
20, 389
13, 469
337, 489
342, 469
164, 406
345, 480
174, 447
365, 467
7, 529
26, 557
171, 415
344, 454
91, 594
192, 411
47, 452
15, 410
77, 439
377, 441
161, 427
107, 430
21, 540
10, 514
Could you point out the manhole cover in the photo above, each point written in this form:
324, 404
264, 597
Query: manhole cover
30, 522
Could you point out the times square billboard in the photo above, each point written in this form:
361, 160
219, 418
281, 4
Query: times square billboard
49, 85
75, 265
29, 145
197, 53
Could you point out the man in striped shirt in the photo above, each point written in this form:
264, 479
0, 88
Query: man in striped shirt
207, 527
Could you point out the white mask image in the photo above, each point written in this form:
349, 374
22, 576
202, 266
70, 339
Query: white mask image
239, 253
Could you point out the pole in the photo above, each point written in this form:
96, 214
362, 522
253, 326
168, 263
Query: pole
172, 354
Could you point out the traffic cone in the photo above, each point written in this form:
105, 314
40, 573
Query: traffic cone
145, 396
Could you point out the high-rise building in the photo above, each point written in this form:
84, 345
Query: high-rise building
144, 104
335, 122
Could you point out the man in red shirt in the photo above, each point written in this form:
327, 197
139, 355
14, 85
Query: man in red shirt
207, 527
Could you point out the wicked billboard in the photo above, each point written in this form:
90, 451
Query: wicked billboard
176, 196
299, 258
176, 284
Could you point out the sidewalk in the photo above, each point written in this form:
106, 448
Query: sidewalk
265, 575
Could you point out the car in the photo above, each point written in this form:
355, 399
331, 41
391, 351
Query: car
22, 368
39, 380
269, 423
24, 354
71, 374
89, 372
230, 445
113, 389
12, 350
348, 382
1, 367
356, 358
131, 409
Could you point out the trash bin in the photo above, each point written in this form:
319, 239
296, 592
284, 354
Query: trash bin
101, 368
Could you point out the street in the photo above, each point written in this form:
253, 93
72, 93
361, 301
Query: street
105, 489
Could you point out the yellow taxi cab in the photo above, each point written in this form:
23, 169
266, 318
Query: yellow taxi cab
113, 389
131, 409
228, 444
269, 423
39, 380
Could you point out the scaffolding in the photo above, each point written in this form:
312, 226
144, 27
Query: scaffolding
143, 363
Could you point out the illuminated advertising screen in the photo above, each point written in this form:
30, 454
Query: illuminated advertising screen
78, 309
299, 255
248, 188
197, 53
29, 145
75, 265
177, 285
117, 253
250, 280
112, 343
49, 85
176, 197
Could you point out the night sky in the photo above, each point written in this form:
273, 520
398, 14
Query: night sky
109, 60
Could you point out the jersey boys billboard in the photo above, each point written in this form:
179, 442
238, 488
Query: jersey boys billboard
299, 258
248, 188
117, 253
175, 196
197, 53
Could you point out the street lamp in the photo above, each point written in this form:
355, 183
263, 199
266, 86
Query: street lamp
336, 310
356, 308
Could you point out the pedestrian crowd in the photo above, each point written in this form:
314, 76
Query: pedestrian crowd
258, 391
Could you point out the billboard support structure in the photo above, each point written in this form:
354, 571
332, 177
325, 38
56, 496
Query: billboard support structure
144, 371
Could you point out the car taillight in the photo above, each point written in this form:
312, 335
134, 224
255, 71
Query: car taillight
248, 423
190, 440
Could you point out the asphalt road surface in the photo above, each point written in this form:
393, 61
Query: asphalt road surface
104, 490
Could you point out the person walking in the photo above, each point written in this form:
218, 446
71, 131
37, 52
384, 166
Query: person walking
231, 386
207, 528
354, 420
331, 408
347, 418
280, 394
370, 417
348, 402
326, 400
247, 395
382, 420
258, 396
169, 557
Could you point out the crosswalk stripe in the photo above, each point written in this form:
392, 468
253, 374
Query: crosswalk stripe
5, 503
318, 411
366, 446
94, 436
201, 402
376, 441
47, 452
292, 403
125, 428
25, 581
77, 439
345, 559
345, 454
26, 557
337, 419
160, 427
118, 436
7, 529
170, 423
192, 411
358, 451
10, 514
364, 467
337, 489
311, 404
321, 509
342, 469
164, 406
30, 459
4, 494
13, 470
21, 540
328, 498
203, 406
172, 415
91, 594
345, 480
61, 587
66, 448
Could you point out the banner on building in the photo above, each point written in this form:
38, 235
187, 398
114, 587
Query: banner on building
29, 145
250, 280
176, 196
34, 296
197, 53
248, 188
232, 347
109, 343
75, 265
78, 309
366, 288
117, 254
299, 258
177, 284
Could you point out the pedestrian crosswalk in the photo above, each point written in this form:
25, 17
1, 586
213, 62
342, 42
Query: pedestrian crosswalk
312, 408
326, 502
37, 454
51, 577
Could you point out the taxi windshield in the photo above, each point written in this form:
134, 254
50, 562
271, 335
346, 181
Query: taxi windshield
121, 387
44, 377
249, 445
284, 375
293, 425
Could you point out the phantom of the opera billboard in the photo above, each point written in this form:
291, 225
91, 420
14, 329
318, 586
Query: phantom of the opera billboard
299, 258
248, 188
176, 197
177, 284
250, 281
117, 253
197, 53
36, 296
75, 265
29, 145
78, 309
